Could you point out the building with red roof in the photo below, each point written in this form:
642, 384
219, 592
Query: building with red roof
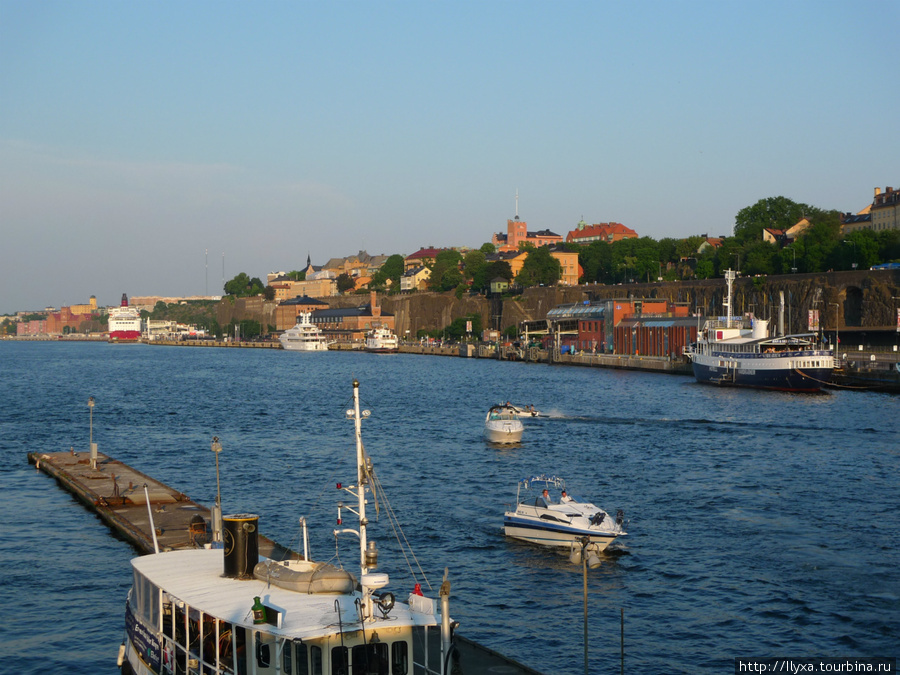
608, 232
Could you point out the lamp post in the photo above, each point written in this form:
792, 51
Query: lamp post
853, 243
837, 332
93, 448
794, 267
216, 447
586, 554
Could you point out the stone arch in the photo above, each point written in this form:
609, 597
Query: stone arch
853, 302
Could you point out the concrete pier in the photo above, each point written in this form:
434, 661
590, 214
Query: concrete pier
115, 492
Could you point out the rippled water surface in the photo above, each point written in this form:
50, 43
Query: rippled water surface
760, 524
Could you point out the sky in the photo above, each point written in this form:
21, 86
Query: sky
157, 148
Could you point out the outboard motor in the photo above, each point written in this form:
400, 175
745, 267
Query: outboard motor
620, 517
241, 543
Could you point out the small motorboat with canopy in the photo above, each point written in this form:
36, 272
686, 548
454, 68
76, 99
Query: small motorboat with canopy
547, 515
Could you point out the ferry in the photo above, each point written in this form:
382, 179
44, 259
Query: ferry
381, 340
226, 610
124, 323
738, 351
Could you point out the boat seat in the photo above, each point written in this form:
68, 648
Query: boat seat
197, 530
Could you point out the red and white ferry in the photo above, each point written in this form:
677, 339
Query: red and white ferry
124, 323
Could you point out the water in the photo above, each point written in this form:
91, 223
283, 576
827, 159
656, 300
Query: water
761, 524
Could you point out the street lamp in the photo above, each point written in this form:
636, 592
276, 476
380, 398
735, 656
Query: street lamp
586, 554
849, 241
794, 268
93, 448
216, 447
837, 333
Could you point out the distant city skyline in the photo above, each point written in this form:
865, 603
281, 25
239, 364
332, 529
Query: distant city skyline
136, 137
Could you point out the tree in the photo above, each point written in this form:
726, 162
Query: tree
488, 248
774, 212
445, 274
269, 293
297, 275
539, 268
243, 286
391, 270
345, 283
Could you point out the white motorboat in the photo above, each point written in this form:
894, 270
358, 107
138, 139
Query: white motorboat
525, 411
225, 611
502, 425
305, 336
544, 516
381, 340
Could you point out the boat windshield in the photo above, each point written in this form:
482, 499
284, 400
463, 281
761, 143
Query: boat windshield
532, 487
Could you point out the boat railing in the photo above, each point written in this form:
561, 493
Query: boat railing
722, 322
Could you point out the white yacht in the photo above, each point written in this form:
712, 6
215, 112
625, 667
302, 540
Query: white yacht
544, 516
226, 611
502, 425
305, 336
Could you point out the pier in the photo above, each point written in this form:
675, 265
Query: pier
124, 499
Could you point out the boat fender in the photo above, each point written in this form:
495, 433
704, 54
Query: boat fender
386, 602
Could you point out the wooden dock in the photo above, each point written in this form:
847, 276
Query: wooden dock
116, 493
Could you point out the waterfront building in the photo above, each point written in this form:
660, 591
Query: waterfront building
288, 311
608, 232
646, 326
886, 210
350, 324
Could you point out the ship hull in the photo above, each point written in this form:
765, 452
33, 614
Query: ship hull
752, 373
120, 336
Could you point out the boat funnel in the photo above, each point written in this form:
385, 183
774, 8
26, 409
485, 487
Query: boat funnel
760, 329
241, 543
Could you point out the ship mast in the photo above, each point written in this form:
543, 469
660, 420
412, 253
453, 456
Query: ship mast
729, 278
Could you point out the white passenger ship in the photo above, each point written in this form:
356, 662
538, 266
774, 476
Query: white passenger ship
738, 351
124, 322
225, 611
381, 341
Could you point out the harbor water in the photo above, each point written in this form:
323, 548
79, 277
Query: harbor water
760, 524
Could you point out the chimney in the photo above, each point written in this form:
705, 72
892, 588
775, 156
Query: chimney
373, 301
877, 191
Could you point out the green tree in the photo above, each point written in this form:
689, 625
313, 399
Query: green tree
243, 286
297, 275
269, 293
391, 270
539, 268
775, 212
488, 248
457, 329
473, 263
345, 283
445, 274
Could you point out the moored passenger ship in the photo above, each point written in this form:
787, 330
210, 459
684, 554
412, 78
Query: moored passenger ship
124, 323
738, 351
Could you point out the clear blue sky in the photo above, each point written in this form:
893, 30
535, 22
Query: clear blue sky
135, 136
